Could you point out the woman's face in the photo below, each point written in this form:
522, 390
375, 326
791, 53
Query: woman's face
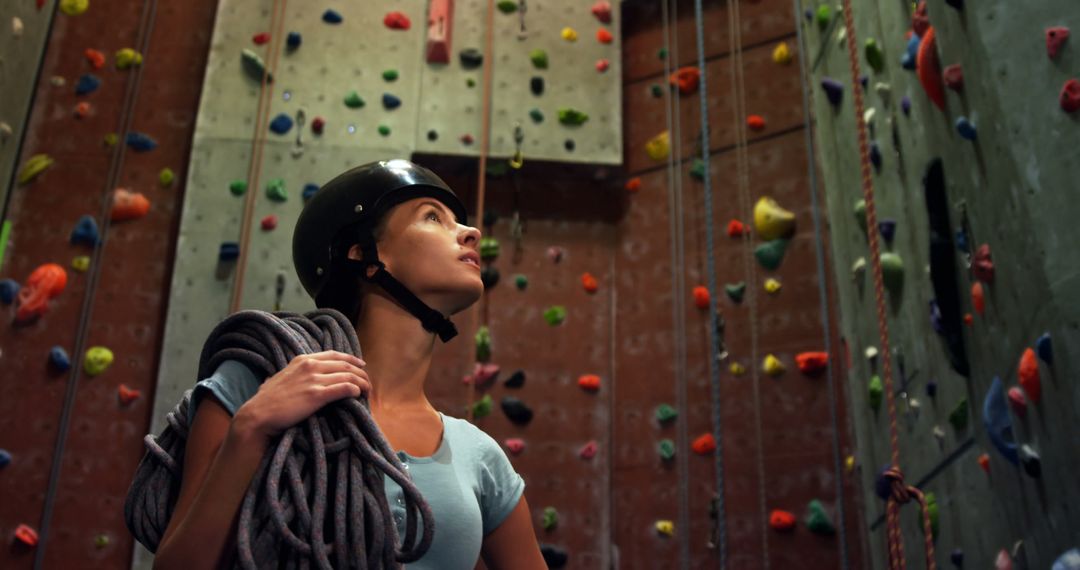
428, 251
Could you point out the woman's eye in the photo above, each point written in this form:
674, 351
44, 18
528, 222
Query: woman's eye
433, 214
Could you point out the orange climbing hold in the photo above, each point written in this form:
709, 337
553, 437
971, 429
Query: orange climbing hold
589, 282
95, 57
46, 282
633, 185
781, 520
26, 535
589, 382
756, 122
127, 395
977, 298
82, 110
928, 68
704, 445
603, 36
984, 462
736, 229
811, 363
128, 205
701, 297
686, 79
1029, 376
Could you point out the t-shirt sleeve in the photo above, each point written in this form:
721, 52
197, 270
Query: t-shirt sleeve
233, 383
500, 485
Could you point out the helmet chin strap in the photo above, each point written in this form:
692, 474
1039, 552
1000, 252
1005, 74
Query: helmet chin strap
432, 320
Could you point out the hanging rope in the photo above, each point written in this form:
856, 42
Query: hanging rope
900, 492
285, 509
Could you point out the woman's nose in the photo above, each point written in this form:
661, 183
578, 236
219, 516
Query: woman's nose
469, 234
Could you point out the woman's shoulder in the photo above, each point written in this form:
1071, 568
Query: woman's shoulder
466, 431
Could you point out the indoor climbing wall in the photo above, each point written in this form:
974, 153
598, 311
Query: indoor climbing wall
971, 123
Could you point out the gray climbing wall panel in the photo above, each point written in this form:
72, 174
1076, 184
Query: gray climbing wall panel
1012, 182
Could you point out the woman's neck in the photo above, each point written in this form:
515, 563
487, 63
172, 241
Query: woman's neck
398, 352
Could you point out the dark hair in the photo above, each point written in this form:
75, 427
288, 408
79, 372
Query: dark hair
343, 290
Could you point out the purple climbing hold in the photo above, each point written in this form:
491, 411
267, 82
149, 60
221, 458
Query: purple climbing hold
966, 129
390, 101
281, 124
935, 317
87, 84
834, 90
905, 105
140, 142
332, 17
875, 155
957, 558
931, 389
907, 61
9, 288
58, 358
888, 229
1045, 349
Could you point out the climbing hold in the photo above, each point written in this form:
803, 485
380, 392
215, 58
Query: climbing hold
238, 187
228, 251
255, 66
97, 359
1045, 349
871, 354
834, 90
489, 248
34, 166
756, 122
875, 391
82, 110
656, 90
551, 516
874, 56
982, 265
390, 75
95, 57
85, 232
166, 177
665, 413
536, 85
482, 407
773, 366
771, 221
588, 451
1070, 96
568, 144
483, 373
770, 253
569, 34
849, 463
332, 17
965, 128
275, 190
781, 520
589, 382
954, 77
875, 155
928, 68
384, 130
920, 20
984, 462
555, 253
570, 116
466, 139
24, 533
686, 79
1055, 38
521, 282
515, 445
665, 527
704, 444
1070, 560
536, 115
884, 90
735, 291
397, 21
353, 100
538, 57
293, 40
9, 288
489, 276
1017, 401
737, 229
507, 6
911, 53
1029, 459
812, 363
58, 359
1028, 372
128, 205
892, 271
977, 298
817, 519
483, 344
589, 283
281, 124
390, 101
772, 286
128, 395
824, 16
887, 229
140, 142
5, 458
697, 170
80, 263
969, 320
737, 369
516, 410
127, 58
554, 557
905, 105
516, 380
471, 58
666, 449
997, 421
602, 11
701, 297
555, 315
633, 185
269, 222
658, 147
602, 65
781, 54
1003, 561
261, 38
603, 36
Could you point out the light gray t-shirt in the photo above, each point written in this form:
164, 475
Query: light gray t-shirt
468, 482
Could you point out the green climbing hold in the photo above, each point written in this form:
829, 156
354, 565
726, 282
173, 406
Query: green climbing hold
521, 282
817, 520
539, 58
384, 130
874, 55
770, 253
353, 100
483, 344
666, 448
569, 116
470, 82
665, 413
255, 66
824, 16
697, 170
390, 75
555, 315
482, 407
536, 115
735, 291
892, 271
489, 248
876, 391
166, 177
661, 53
275, 190
932, 512
238, 187
959, 416
507, 6
551, 518
860, 213
657, 90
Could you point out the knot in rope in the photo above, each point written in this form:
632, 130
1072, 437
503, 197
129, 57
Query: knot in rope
899, 494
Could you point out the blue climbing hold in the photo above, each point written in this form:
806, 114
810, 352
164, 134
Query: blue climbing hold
962, 241
905, 105
935, 317
907, 61
9, 288
86, 231
390, 101
140, 142
864, 80
293, 40
309, 191
875, 155
834, 90
281, 124
887, 229
998, 423
1070, 560
1045, 349
965, 128
58, 358
229, 251
332, 17
87, 84
5, 458
809, 14
931, 389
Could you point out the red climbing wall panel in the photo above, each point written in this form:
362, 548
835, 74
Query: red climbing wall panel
104, 437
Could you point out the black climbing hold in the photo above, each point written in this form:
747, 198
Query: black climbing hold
569, 145
390, 101
536, 85
943, 266
9, 288
554, 556
229, 251
489, 276
294, 40
875, 155
516, 410
958, 4
432, 135
471, 58
516, 380
490, 217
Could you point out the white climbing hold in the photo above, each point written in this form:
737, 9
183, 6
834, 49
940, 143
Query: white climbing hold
871, 352
5, 131
16, 27
858, 268
884, 90
939, 433
868, 117
841, 35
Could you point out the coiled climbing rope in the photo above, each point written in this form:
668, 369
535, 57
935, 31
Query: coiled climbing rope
284, 514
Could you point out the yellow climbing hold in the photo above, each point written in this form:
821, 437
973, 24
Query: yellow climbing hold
659, 146
665, 527
74, 7
128, 57
111, 139
781, 54
772, 221
34, 166
569, 34
737, 369
81, 263
98, 358
849, 463
773, 366
772, 285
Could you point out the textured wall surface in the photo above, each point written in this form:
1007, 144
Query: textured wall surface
1011, 182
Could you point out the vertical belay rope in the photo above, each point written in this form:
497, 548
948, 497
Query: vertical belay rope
900, 492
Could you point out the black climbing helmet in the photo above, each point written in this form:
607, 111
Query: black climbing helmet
345, 211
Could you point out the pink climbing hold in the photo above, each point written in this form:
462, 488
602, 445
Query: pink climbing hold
602, 11
954, 77
588, 451
1055, 38
1070, 96
1028, 372
983, 265
920, 20
602, 65
1017, 401
515, 445
397, 21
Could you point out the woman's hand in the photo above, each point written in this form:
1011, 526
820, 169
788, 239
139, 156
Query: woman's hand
309, 382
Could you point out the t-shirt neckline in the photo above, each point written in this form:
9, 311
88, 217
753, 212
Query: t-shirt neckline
404, 456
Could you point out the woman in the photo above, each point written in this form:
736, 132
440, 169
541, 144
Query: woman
386, 243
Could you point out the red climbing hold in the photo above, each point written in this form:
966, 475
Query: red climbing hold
736, 229
1029, 376
589, 382
515, 445
261, 38
781, 520
317, 125
1018, 401
26, 535
127, 395
756, 122
269, 222
954, 77
1055, 38
1070, 96
128, 205
686, 79
968, 319
811, 363
633, 185
983, 264
704, 444
920, 20
977, 298
466, 139
984, 462
701, 297
603, 36
46, 282
95, 57
589, 283
588, 451
397, 21
602, 11
928, 67
602, 65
